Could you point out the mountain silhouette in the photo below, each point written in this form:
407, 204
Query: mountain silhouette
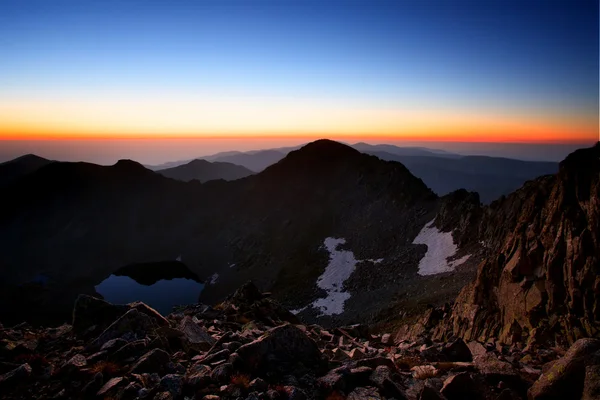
11, 171
203, 171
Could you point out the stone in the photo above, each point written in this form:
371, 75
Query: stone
90, 311
222, 373
386, 339
424, 371
279, 348
460, 386
198, 375
566, 377
381, 377
153, 361
335, 379
591, 383
258, 385
196, 336
132, 325
356, 354
16, 376
364, 393
429, 393
172, 383
232, 346
495, 370
131, 349
457, 350
158, 319
294, 393
163, 396
73, 365
93, 386
111, 387
113, 345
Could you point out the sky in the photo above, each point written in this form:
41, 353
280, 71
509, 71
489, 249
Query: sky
98, 80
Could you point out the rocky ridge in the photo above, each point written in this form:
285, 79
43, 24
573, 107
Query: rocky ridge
539, 285
249, 347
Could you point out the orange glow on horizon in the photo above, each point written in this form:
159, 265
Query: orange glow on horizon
195, 118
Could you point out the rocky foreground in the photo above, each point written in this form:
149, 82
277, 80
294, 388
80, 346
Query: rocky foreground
249, 347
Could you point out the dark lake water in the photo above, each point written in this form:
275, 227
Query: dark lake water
160, 294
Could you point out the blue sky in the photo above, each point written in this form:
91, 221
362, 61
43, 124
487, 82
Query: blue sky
531, 61
516, 54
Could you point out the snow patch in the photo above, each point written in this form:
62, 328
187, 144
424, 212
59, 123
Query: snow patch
440, 247
299, 310
231, 265
213, 279
377, 261
341, 265
178, 258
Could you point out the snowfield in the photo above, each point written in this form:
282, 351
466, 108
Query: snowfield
440, 247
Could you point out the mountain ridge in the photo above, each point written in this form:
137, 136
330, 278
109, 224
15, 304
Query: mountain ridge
537, 284
202, 170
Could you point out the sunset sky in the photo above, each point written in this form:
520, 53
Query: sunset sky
222, 75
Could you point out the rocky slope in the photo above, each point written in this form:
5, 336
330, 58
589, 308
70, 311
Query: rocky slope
249, 347
539, 285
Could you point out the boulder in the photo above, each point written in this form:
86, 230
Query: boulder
172, 383
457, 350
196, 336
132, 325
90, 311
153, 361
198, 375
73, 365
158, 319
280, 349
222, 373
591, 384
566, 377
460, 386
15, 377
429, 393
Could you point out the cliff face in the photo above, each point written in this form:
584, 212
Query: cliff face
540, 280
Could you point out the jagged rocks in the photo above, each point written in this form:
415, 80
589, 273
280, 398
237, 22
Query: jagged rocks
538, 284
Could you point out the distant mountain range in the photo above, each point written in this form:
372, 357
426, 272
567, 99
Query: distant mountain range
491, 177
441, 171
204, 171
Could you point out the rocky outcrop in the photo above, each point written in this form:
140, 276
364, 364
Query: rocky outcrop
540, 281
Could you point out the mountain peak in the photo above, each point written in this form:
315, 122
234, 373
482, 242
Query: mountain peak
328, 148
323, 150
129, 166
